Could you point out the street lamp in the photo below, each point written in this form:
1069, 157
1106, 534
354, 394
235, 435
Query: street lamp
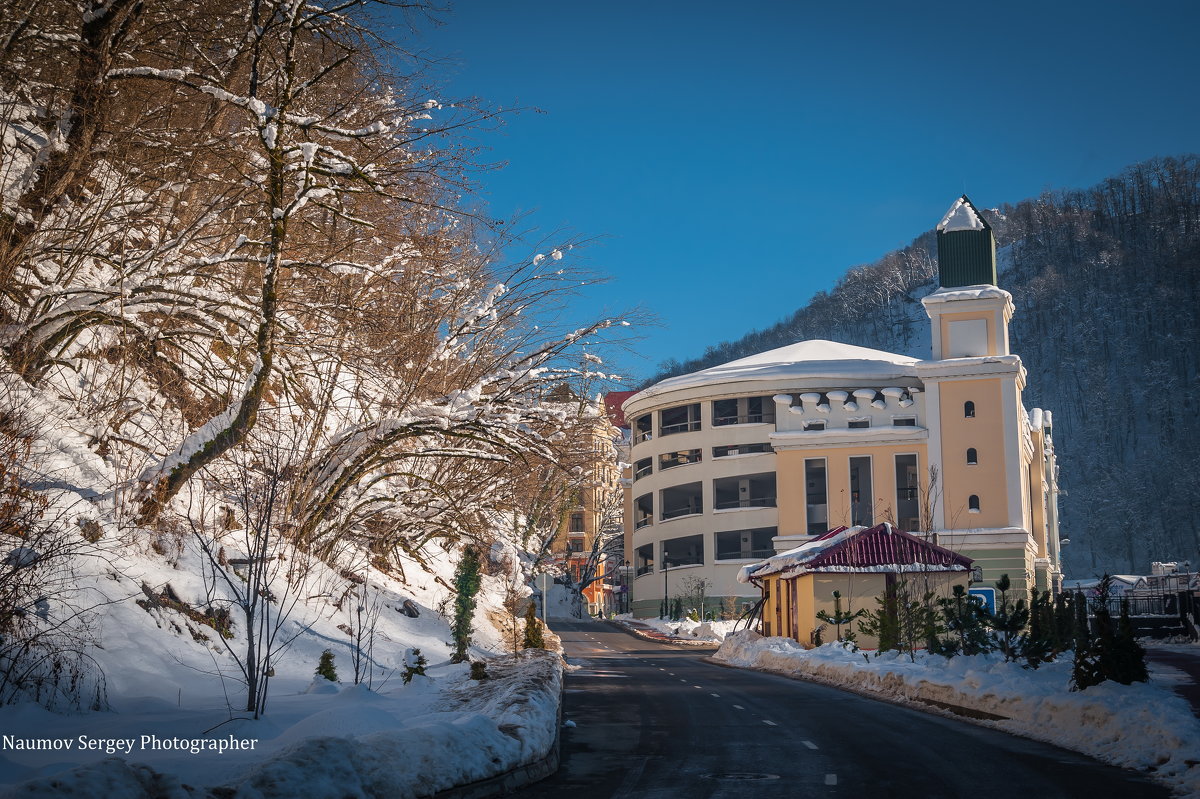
665, 606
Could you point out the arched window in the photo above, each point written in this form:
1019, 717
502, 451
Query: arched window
973, 503
969, 409
972, 456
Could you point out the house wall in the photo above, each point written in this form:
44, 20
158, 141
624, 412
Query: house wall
792, 489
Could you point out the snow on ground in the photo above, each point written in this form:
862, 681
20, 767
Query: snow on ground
1144, 726
686, 629
169, 676
403, 741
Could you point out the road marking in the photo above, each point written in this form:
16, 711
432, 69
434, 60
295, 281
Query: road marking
831, 779
768, 721
660, 668
671, 673
739, 707
682, 680
809, 744
697, 686
718, 696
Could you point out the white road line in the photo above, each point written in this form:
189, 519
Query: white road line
697, 686
768, 721
671, 673
718, 696
739, 707
831, 779
809, 744
682, 680
660, 668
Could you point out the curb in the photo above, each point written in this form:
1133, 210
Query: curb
516, 778
931, 706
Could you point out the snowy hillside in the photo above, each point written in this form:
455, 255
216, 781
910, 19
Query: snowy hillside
270, 395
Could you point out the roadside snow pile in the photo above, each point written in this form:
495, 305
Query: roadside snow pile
688, 630
1142, 726
408, 741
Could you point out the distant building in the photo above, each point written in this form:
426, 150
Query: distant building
592, 509
735, 463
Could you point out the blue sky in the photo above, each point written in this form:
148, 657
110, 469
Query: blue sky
735, 158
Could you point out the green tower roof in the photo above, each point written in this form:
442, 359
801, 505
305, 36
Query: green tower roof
966, 247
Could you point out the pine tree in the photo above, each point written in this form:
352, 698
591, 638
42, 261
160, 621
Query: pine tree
466, 583
840, 618
966, 619
1036, 647
1129, 658
1009, 621
325, 667
414, 664
883, 623
533, 629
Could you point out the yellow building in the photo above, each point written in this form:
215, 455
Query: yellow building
584, 546
740, 461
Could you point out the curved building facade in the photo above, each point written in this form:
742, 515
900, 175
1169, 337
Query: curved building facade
735, 463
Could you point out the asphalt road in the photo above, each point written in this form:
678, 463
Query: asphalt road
654, 720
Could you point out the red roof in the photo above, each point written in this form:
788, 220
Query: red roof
612, 404
880, 549
884, 545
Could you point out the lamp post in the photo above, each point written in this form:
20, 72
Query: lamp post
665, 606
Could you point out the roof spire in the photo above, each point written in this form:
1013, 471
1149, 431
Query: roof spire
966, 247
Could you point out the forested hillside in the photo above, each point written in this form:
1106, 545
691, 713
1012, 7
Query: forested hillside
1106, 283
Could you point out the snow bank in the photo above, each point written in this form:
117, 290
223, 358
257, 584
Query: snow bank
685, 629
413, 741
1143, 726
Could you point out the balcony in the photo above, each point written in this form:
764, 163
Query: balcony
744, 491
682, 500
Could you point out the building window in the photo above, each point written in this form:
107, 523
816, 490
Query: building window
816, 502
743, 410
643, 511
744, 544
575, 545
972, 456
643, 560
642, 429
908, 490
681, 419
859, 424
973, 503
575, 523
969, 409
643, 468
670, 460
814, 426
744, 491
905, 421
861, 507
683, 500
685, 551
739, 449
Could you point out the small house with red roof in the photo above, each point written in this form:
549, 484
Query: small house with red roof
860, 563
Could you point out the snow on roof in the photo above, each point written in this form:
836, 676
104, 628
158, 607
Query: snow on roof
813, 358
881, 548
962, 216
978, 292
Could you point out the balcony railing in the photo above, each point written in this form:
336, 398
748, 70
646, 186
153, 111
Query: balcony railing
750, 502
746, 418
758, 554
682, 510
645, 521
681, 427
